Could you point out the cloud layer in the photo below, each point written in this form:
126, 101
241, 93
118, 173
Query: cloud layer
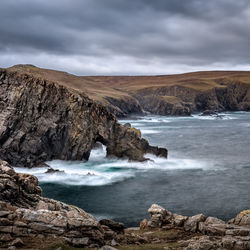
91, 37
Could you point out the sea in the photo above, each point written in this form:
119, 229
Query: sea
207, 171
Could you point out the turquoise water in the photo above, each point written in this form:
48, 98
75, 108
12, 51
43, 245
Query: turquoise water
208, 171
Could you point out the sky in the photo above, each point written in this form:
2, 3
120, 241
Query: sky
126, 37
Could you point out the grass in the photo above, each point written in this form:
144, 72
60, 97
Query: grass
159, 246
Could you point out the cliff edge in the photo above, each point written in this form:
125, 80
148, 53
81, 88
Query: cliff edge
41, 120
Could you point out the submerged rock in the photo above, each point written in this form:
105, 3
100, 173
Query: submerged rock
51, 170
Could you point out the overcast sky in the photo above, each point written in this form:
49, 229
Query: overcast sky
110, 37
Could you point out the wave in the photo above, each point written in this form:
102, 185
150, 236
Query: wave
99, 170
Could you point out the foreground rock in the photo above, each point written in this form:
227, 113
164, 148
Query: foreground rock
41, 120
29, 221
24, 213
205, 232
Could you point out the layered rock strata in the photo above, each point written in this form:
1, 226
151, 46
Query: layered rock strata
180, 94
25, 213
41, 120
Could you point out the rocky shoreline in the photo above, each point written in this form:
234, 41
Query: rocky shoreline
42, 120
27, 218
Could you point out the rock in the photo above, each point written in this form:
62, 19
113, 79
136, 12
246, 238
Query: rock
17, 243
157, 209
5, 238
144, 224
209, 113
242, 219
98, 145
4, 213
51, 170
178, 220
78, 242
202, 243
12, 248
42, 205
114, 243
115, 226
18, 189
41, 120
127, 125
159, 216
214, 220
212, 229
106, 247
28, 214
192, 222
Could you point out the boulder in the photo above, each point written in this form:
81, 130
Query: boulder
214, 220
242, 219
144, 224
191, 224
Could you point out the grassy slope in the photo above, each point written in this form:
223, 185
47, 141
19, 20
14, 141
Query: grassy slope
98, 87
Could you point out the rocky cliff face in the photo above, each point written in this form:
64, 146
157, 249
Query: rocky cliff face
41, 120
164, 95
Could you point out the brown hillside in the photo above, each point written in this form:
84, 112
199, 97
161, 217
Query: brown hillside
178, 94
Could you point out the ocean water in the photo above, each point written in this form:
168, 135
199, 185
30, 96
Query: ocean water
207, 171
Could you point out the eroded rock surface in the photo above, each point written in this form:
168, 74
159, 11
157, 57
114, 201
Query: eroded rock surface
42, 120
25, 213
206, 232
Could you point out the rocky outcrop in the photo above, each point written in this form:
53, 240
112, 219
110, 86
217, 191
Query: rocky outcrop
41, 120
164, 105
25, 213
179, 94
208, 232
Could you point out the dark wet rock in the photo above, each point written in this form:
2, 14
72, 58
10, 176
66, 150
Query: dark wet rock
41, 120
98, 145
209, 113
51, 171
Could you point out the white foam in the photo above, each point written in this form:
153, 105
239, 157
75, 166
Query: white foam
100, 171
149, 131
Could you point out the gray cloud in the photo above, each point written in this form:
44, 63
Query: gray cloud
126, 37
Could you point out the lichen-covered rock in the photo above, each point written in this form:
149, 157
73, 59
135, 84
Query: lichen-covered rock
242, 219
41, 120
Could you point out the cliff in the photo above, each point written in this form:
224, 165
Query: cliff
180, 94
41, 120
